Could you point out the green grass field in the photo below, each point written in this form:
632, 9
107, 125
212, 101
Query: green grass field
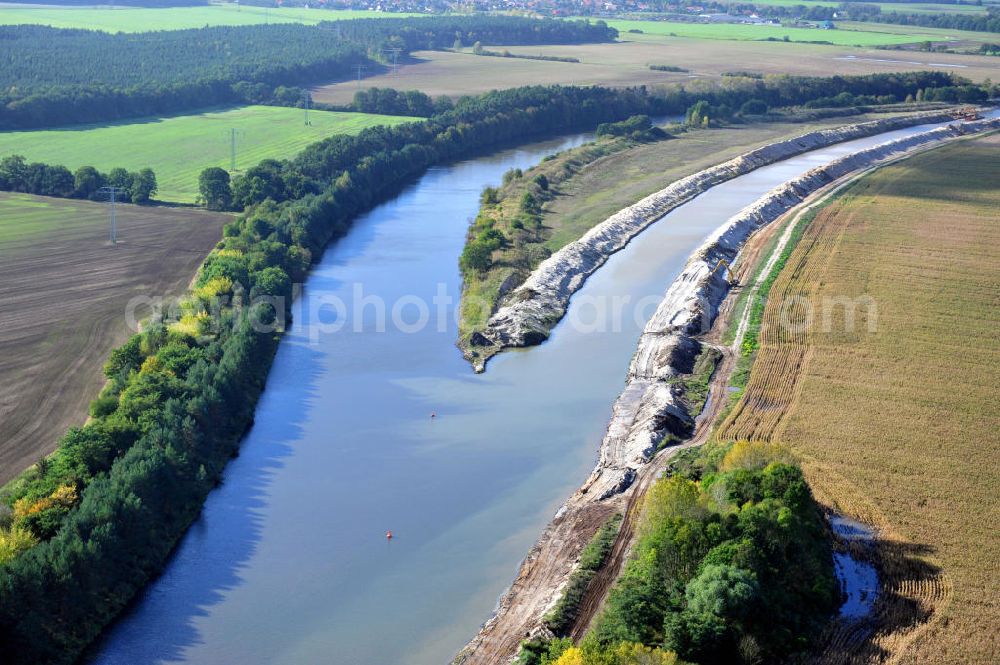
178, 148
901, 7
23, 216
132, 19
874, 36
931, 34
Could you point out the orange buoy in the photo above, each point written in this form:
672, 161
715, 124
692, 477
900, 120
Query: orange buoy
388, 535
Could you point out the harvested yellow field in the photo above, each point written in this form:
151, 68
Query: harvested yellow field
897, 417
626, 63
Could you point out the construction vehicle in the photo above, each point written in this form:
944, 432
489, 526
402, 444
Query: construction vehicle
731, 278
966, 113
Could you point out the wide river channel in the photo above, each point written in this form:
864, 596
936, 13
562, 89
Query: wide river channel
289, 562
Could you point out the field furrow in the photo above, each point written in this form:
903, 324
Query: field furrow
878, 365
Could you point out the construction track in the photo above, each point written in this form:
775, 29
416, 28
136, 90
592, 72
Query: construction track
559, 547
751, 257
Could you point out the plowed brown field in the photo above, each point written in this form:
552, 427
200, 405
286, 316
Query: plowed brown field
63, 293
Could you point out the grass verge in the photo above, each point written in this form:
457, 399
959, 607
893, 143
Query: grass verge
561, 617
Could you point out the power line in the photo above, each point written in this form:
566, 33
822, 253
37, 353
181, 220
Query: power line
331, 26
395, 56
112, 193
234, 134
359, 69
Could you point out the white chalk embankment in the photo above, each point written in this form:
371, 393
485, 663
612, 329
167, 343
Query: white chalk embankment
527, 315
649, 407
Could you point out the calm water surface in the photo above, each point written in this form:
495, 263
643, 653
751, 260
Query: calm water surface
289, 562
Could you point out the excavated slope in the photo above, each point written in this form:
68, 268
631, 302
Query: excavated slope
530, 311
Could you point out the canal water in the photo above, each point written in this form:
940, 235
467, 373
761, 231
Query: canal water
289, 562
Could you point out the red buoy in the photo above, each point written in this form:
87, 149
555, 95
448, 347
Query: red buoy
388, 535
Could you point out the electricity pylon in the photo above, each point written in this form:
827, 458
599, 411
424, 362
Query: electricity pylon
113, 193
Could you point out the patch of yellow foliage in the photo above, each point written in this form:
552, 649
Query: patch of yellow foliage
64, 495
13, 541
669, 499
191, 324
755, 455
572, 656
149, 365
626, 653
214, 287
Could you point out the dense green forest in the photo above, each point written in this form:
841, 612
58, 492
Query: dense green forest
387, 101
19, 175
988, 22
51, 76
733, 564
